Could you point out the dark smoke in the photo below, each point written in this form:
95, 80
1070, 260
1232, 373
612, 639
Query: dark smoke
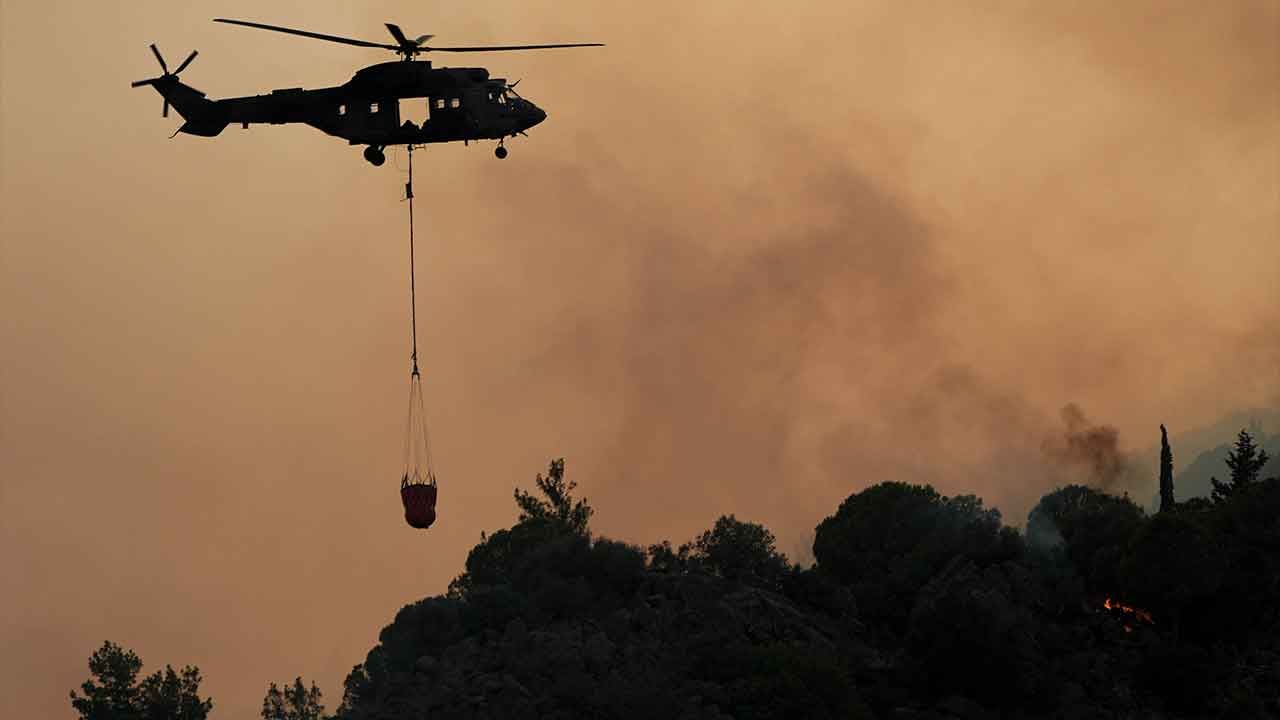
1094, 450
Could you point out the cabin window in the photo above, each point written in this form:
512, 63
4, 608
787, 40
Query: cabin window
373, 108
439, 103
414, 110
342, 109
455, 103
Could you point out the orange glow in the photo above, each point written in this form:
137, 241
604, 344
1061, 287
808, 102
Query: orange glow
1128, 612
747, 316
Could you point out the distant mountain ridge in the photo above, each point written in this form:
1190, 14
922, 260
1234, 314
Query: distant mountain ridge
1192, 444
1193, 481
1201, 453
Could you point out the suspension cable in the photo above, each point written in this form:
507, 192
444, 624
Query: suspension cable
413, 290
417, 422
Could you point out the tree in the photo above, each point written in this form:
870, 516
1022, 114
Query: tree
1091, 528
887, 541
173, 695
873, 527
557, 514
112, 693
1246, 528
665, 559
559, 507
1171, 562
357, 688
965, 613
1245, 463
295, 702
1167, 501
116, 694
741, 551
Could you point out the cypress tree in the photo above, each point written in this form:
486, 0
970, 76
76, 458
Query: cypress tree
1166, 472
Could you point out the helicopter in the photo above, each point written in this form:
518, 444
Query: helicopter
462, 103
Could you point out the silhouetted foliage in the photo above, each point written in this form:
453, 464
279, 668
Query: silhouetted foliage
173, 695
1195, 505
918, 605
1167, 501
559, 508
818, 590
1090, 527
964, 614
1245, 461
779, 681
1171, 562
542, 519
887, 541
1182, 675
1246, 529
740, 551
665, 559
113, 693
294, 702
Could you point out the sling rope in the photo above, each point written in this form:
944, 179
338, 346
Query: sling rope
418, 466
413, 291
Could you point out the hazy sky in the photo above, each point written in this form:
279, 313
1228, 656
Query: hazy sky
756, 259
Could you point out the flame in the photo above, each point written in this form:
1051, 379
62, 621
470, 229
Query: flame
1127, 612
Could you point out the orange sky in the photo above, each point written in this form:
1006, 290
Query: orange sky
756, 259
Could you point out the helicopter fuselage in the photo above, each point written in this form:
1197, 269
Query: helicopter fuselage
460, 104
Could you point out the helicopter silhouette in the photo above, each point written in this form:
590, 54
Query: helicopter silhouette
462, 103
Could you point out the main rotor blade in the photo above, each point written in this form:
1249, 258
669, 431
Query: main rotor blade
187, 62
160, 57
399, 36
304, 33
495, 48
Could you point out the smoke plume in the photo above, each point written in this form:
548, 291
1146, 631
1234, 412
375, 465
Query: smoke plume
1088, 450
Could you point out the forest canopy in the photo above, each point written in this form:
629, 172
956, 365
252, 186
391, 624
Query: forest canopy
917, 605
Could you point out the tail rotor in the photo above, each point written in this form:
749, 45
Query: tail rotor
166, 74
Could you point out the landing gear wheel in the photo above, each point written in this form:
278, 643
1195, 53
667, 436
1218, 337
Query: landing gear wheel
374, 156
500, 152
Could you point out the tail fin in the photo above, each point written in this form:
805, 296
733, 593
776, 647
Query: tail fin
200, 113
